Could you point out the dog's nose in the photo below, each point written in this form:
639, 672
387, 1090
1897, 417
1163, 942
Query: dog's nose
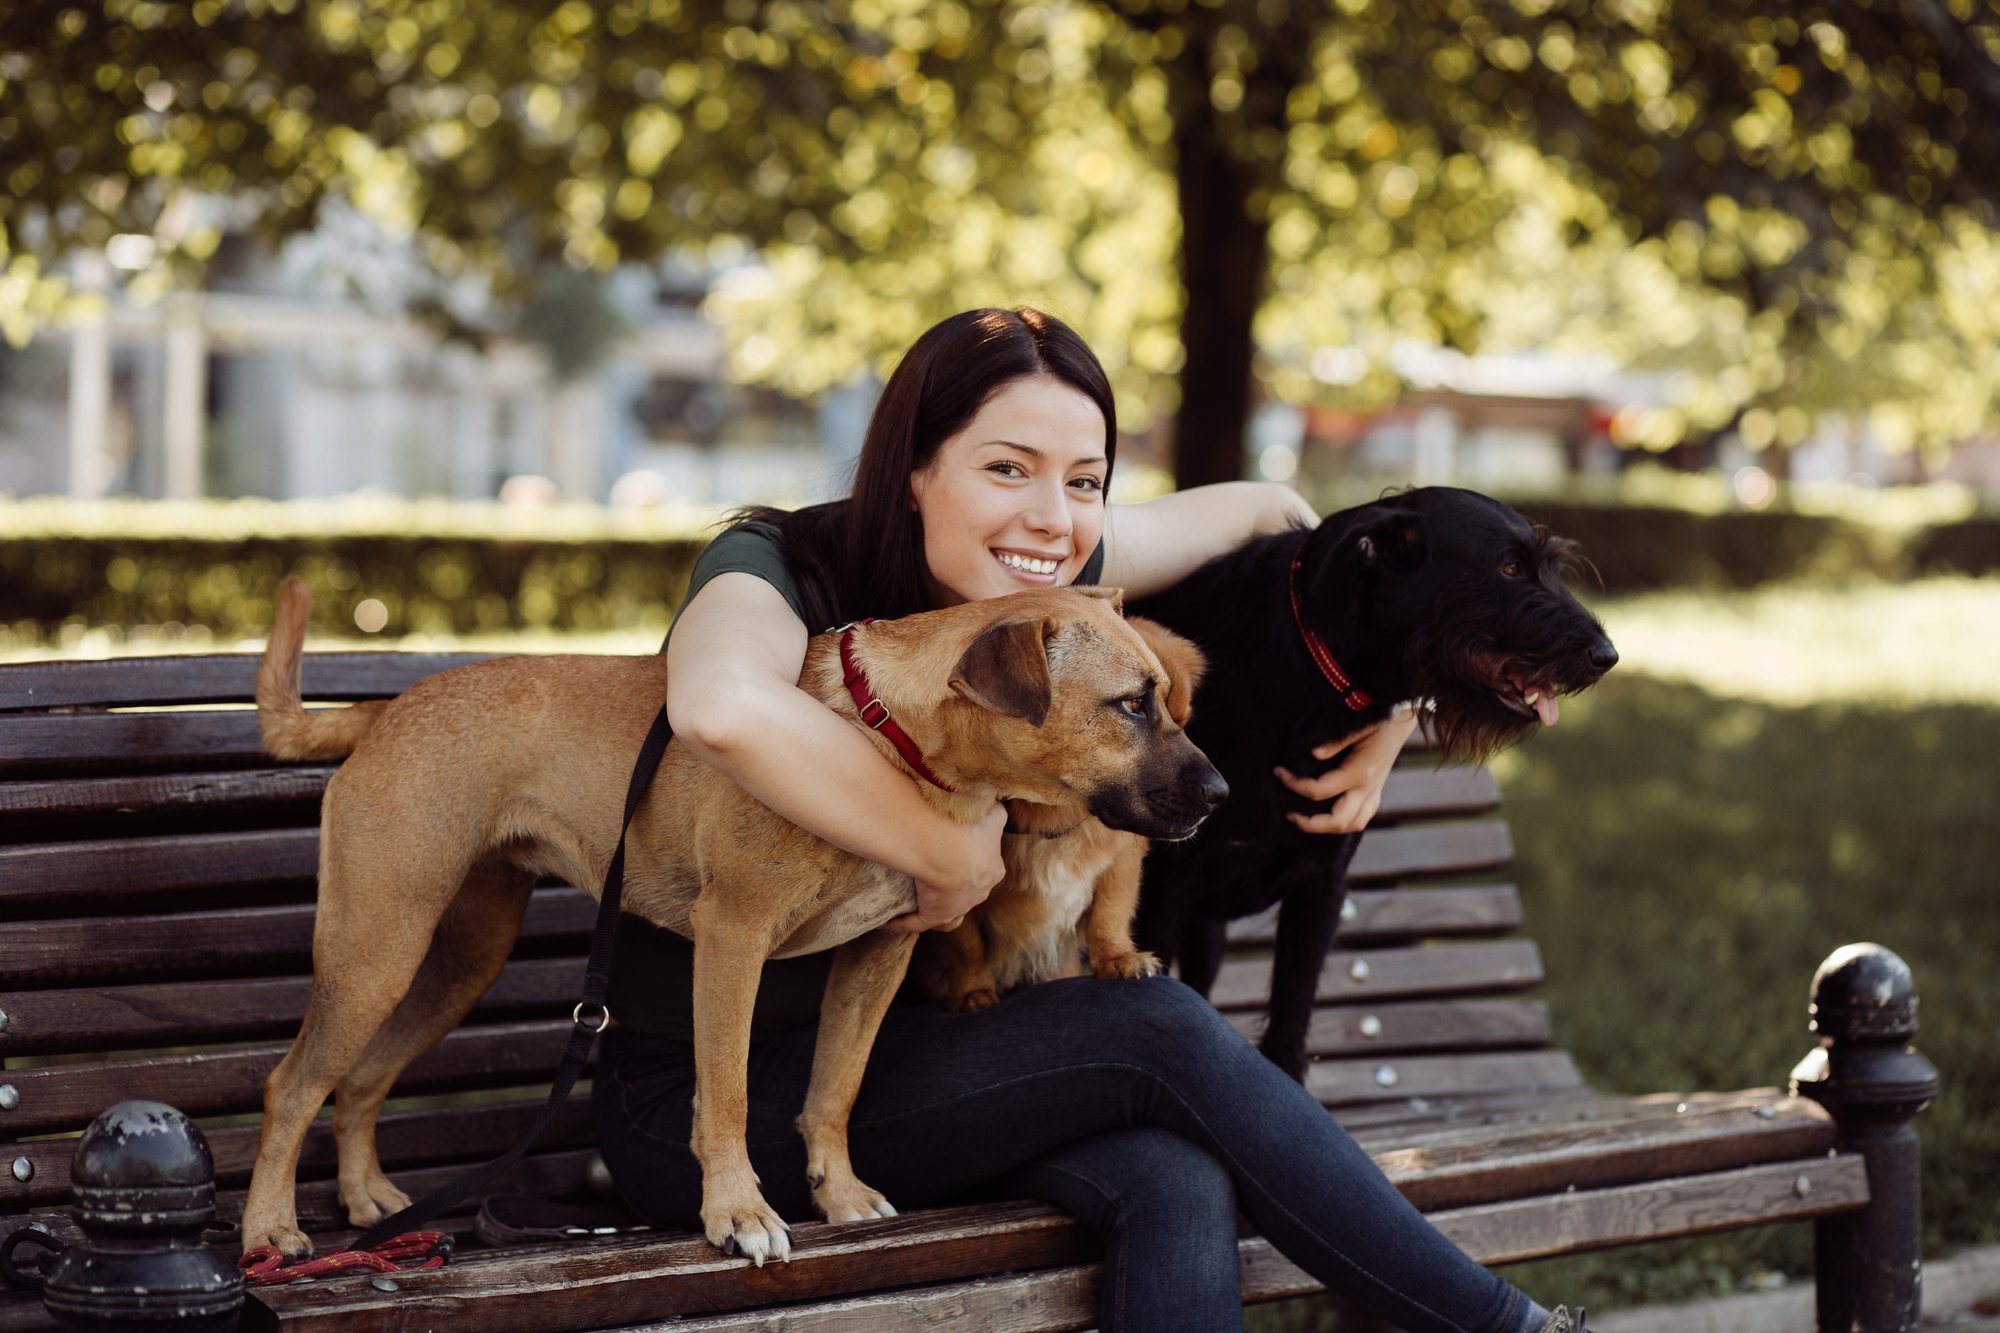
1211, 790
1603, 657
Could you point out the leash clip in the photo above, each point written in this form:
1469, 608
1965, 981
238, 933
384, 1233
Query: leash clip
603, 1015
881, 714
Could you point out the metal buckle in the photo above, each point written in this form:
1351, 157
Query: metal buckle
604, 1015
881, 717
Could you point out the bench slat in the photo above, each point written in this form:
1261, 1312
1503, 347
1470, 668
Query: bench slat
1463, 1025
1359, 976
40, 876
463, 1134
1431, 849
37, 745
1394, 915
212, 678
189, 1012
203, 1083
260, 939
277, 789
621, 1281
1398, 1077
1412, 792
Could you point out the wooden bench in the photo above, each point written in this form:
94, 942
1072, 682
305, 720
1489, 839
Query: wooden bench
156, 902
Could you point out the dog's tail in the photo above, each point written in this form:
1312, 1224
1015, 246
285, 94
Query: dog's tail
289, 731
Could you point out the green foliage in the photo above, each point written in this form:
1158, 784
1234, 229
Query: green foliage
1793, 206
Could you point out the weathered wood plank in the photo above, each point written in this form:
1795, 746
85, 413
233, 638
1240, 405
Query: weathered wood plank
191, 1012
697, 1289
1413, 792
1400, 1077
1380, 916
1431, 849
461, 1133
231, 1082
57, 875
44, 744
1360, 977
248, 939
1384, 1029
198, 678
25, 802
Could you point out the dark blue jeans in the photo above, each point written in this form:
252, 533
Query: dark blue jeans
1130, 1104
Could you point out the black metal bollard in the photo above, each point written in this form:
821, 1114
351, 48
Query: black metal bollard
1868, 1264
143, 1186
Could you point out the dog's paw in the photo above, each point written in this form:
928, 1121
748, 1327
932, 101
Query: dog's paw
972, 1001
750, 1228
372, 1200
850, 1201
1128, 966
291, 1242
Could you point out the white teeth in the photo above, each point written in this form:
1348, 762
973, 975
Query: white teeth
1024, 564
1531, 696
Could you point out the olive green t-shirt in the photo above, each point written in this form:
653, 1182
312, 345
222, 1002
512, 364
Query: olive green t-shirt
652, 970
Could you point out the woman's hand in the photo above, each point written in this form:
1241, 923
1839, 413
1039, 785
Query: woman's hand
1357, 780
943, 902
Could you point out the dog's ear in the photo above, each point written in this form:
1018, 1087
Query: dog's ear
1397, 543
1184, 662
1007, 670
1115, 596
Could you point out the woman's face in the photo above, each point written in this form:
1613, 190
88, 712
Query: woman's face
1015, 499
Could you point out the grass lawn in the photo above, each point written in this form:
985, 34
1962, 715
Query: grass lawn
1766, 777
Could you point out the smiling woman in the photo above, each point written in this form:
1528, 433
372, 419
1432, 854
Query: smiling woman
1131, 1103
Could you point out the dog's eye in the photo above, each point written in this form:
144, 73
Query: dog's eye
1136, 704
1512, 569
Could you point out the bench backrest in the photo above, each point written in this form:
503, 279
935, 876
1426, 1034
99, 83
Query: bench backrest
156, 904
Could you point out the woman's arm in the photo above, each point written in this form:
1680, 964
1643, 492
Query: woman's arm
733, 698
1150, 547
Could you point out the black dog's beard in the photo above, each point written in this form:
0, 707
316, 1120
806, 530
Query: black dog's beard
1474, 650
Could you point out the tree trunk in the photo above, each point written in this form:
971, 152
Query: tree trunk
1223, 261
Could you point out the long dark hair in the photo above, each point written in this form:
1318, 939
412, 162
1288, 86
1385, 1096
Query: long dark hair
864, 555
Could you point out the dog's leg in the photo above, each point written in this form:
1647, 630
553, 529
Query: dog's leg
1306, 923
730, 946
866, 972
1203, 942
960, 976
1108, 928
468, 949
362, 964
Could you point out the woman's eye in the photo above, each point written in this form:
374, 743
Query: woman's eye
1091, 484
1007, 469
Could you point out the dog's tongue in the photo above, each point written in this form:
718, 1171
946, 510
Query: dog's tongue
1546, 706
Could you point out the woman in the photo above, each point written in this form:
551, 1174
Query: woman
1130, 1104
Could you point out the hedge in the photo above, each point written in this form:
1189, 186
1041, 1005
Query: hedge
446, 572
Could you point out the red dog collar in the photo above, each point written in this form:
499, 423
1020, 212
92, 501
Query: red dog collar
1322, 656
875, 714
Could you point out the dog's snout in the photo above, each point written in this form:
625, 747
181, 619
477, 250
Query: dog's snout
1603, 656
1209, 788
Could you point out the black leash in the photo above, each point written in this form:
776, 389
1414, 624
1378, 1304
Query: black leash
590, 1015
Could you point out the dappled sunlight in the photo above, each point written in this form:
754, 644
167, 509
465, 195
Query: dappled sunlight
1933, 641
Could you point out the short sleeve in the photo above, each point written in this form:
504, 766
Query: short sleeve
748, 548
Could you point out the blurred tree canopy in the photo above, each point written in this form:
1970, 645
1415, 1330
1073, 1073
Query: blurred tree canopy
1793, 204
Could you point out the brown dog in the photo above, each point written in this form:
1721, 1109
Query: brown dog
463, 790
1067, 874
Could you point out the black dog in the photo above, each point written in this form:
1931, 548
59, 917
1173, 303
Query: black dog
1439, 596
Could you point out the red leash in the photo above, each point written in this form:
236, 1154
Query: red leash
265, 1266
